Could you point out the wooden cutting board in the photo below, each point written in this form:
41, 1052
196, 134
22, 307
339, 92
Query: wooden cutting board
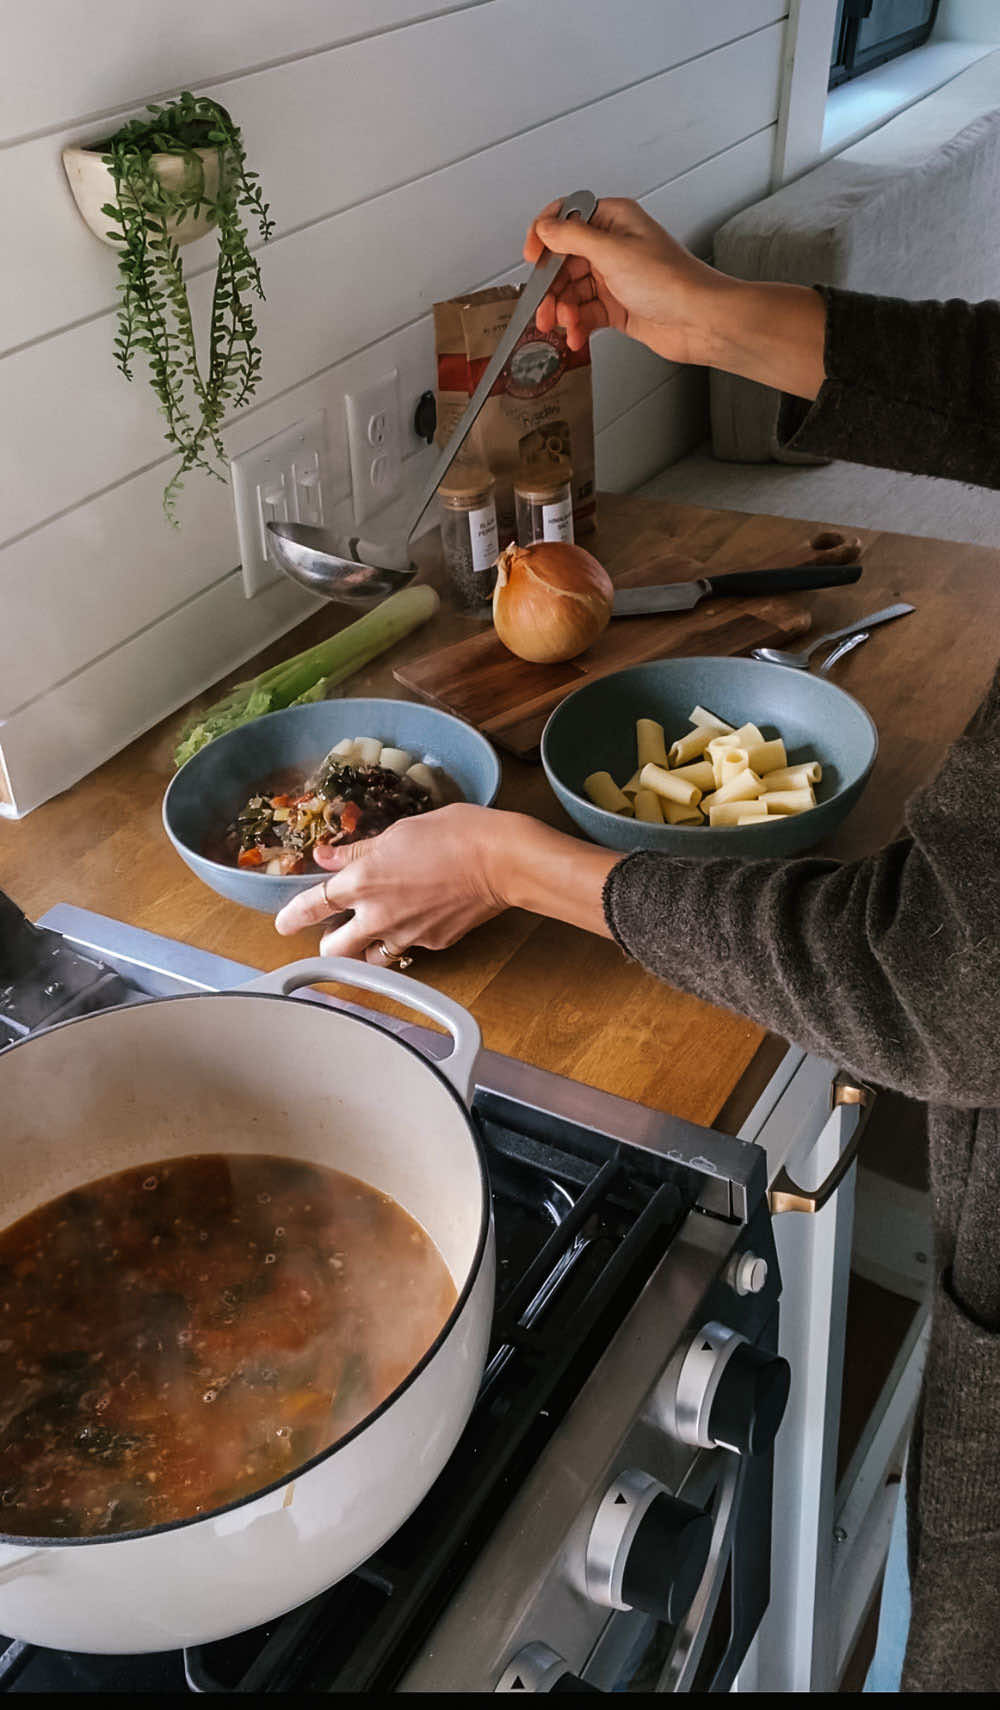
510, 700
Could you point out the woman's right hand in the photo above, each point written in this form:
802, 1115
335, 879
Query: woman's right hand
623, 270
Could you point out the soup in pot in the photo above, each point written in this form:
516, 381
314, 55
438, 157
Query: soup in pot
175, 1337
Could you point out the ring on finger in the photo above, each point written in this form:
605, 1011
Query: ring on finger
393, 958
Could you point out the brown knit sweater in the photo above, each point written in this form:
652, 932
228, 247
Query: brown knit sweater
891, 965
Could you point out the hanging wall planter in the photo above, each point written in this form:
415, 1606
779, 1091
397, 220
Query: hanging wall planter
157, 184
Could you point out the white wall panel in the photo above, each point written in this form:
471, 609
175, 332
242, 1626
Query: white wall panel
444, 90
67, 59
338, 285
104, 569
403, 145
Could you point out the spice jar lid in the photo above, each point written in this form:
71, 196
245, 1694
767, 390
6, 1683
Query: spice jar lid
466, 486
542, 481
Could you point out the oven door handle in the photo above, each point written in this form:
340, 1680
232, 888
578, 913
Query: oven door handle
682, 1664
852, 1103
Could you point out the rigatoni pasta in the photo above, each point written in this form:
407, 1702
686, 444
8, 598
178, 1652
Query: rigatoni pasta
714, 773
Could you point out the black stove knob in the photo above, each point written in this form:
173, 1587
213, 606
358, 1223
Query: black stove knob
749, 1403
647, 1549
667, 1558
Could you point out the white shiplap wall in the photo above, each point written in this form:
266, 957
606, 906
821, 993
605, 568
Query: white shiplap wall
403, 145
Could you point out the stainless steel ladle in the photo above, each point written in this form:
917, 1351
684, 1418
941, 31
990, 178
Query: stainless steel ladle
358, 571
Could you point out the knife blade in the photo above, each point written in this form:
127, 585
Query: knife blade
683, 596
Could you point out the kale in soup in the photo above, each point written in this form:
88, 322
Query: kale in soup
175, 1337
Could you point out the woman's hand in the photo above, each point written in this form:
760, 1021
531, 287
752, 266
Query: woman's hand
623, 270
428, 880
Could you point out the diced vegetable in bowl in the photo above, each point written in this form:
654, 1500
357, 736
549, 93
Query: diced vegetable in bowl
247, 811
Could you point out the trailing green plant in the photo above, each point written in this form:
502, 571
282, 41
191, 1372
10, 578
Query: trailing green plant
154, 315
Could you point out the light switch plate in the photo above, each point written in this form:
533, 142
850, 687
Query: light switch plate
279, 480
374, 437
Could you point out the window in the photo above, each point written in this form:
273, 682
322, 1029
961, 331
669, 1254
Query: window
868, 32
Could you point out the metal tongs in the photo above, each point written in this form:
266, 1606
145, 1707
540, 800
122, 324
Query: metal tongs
356, 571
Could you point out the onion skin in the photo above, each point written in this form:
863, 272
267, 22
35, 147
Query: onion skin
551, 600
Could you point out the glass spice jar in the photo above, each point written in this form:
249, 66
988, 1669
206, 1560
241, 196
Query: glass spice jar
469, 533
543, 500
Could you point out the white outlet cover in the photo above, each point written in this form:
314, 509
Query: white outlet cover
374, 438
283, 478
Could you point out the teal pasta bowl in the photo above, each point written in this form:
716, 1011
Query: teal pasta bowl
593, 730
215, 783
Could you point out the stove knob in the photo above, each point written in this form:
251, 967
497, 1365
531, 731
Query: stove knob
750, 1401
725, 1394
747, 1274
647, 1549
538, 1668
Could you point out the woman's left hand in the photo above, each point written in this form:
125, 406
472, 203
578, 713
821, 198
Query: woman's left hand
423, 881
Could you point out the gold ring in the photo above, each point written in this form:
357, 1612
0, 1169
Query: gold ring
393, 958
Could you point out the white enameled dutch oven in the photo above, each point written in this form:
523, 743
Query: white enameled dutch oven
252, 1071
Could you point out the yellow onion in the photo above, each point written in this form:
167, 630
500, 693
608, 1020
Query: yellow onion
551, 600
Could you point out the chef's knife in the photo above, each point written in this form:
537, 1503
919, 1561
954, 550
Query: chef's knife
683, 596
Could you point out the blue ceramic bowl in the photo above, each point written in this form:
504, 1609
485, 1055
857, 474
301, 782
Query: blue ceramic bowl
216, 782
593, 730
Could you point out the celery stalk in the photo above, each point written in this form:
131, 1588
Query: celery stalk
310, 675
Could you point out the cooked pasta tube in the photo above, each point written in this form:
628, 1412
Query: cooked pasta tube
797, 777
649, 743
788, 801
766, 756
689, 747
367, 750
735, 813
668, 785
748, 736
395, 760
604, 793
751, 819
675, 813
647, 806
632, 786
700, 716
744, 787
701, 773
728, 763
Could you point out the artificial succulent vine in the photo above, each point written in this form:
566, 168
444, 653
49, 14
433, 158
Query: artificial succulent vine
154, 315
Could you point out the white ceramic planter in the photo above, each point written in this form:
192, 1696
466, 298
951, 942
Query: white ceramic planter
93, 185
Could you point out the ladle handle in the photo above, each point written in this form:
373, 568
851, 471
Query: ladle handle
582, 204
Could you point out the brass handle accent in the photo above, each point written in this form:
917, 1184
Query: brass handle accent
786, 1195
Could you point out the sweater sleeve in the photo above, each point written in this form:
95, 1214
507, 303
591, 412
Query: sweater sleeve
912, 386
889, 965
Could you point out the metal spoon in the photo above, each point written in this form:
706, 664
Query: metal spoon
345, 567
800, 661
842, 647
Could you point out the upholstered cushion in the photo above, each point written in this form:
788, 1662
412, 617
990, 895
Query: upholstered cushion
913, 210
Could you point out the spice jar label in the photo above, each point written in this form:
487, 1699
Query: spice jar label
557, 520
483, 533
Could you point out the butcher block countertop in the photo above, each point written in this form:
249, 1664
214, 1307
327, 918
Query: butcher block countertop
543, 992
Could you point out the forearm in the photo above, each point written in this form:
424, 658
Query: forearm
765, 332
546, 872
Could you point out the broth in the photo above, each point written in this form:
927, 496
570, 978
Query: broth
175, 1337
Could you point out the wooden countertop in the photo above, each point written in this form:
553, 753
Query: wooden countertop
544, 992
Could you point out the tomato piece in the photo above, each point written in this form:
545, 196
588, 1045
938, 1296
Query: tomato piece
282, 801
252, 857
350, 817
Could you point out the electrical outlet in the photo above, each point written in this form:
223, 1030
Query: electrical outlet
374, 437
279, 480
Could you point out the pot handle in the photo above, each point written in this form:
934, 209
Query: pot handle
458, 1068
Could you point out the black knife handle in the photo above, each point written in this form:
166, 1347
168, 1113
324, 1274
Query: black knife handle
784, 581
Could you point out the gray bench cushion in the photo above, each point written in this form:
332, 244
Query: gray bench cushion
913, 210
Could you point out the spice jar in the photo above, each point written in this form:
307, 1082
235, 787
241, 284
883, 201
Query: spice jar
543, 500
469, 533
